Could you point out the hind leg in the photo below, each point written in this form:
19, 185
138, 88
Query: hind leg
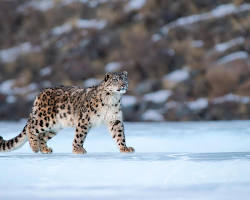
43, 138
33, 138
36, 128
80, 135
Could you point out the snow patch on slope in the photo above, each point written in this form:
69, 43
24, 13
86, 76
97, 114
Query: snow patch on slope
45, 71
81, 24
113, 66
198, 104
158, 97
177, 75
8, 88
197, 43
221, 47
45, 5
218, 12
128, 100
41, 5
239, 55
11, 54
91, 23
231, 98
58, 30
152, 115
91, 82
135, 5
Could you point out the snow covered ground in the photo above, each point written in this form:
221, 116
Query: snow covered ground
192, 160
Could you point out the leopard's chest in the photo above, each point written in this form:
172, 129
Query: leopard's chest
104, 115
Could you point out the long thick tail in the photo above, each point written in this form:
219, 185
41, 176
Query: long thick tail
14, 143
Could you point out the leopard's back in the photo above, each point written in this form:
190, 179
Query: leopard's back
55, 108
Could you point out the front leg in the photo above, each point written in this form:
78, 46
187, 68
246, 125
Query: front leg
116, 128
80, 135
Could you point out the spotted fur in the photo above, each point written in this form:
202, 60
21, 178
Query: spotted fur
59, 107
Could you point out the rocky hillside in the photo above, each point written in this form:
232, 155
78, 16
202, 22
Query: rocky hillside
187, 60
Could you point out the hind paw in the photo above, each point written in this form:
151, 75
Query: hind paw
35, 147
34, 144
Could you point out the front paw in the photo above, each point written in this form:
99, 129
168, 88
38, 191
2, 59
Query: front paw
46, 150
127, 149
79, 150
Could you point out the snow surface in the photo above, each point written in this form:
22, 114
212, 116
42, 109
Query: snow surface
194, 160
177, 76
159, 96
233, 56
218, 12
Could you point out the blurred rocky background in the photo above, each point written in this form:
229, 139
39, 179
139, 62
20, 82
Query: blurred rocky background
187, 59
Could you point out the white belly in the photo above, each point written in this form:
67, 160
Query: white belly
97, 121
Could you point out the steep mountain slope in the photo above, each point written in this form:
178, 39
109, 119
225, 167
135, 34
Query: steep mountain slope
187, 60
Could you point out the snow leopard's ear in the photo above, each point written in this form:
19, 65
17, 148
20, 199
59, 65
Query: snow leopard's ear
107, 76
125, 73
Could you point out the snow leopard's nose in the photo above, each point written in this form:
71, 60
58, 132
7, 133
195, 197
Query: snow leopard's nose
124, 86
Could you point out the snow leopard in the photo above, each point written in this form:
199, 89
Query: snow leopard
72, 106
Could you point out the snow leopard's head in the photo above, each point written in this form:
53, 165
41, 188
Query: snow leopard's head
116, 82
